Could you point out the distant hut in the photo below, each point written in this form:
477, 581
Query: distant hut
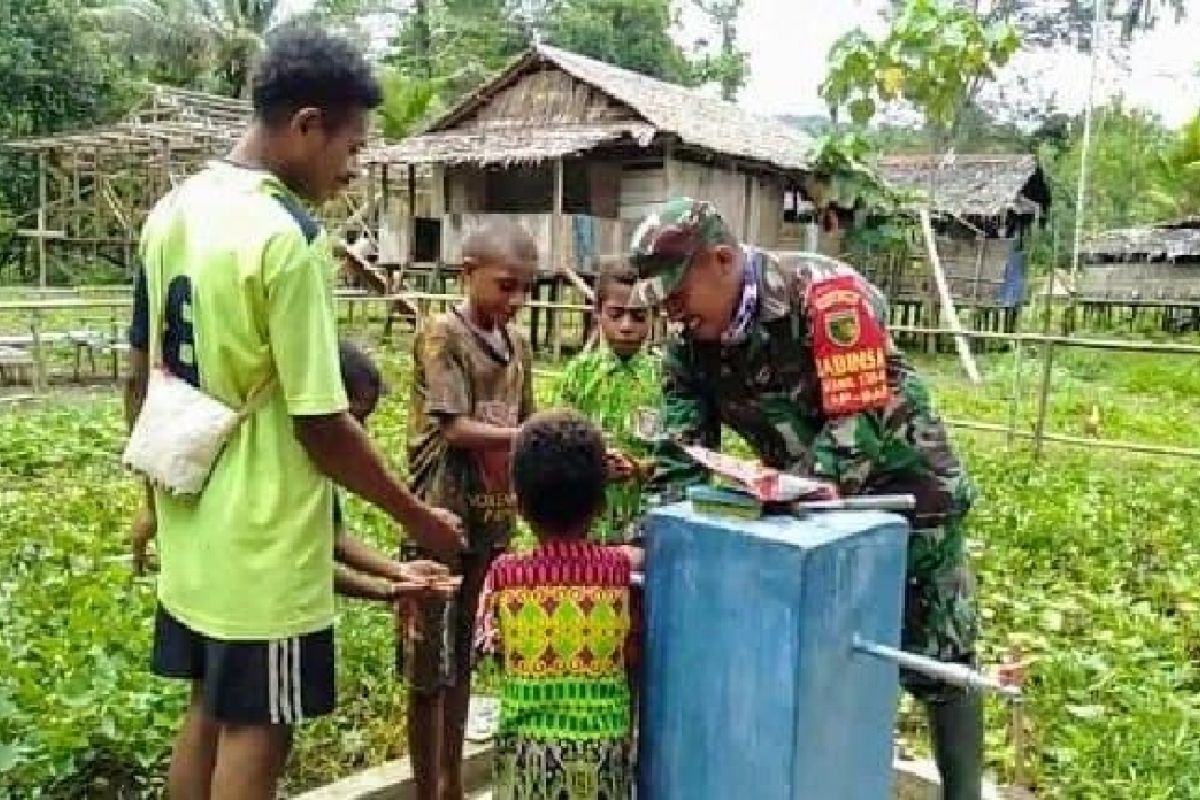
577, 151
983, 208
1152, 268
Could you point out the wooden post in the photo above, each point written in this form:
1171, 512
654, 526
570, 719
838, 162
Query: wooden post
670, 180
410, 222
39, 354
1014, 401
1039, 431
370, 218
964, 347
99, 229
41, 218
556, 256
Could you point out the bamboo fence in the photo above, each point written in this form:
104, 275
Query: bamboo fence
427, 303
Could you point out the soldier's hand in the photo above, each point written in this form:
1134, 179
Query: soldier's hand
620, 467
824, 491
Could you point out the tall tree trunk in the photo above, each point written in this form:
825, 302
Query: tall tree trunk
424, 39
729, 84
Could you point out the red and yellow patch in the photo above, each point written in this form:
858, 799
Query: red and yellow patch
850, 347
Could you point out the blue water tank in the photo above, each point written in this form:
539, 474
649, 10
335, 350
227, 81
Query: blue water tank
751, 687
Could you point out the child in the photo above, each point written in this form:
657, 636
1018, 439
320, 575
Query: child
610, 383
472, 387
360, 570
558, 622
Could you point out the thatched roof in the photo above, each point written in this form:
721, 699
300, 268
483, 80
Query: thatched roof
175, 119
654, 108
509, 145
1165, 242
971, 185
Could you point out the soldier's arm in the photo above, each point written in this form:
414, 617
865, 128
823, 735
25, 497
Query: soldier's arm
846, 449
689, 416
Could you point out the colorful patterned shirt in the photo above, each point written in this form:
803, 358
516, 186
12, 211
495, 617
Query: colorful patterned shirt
558, 621
607, 389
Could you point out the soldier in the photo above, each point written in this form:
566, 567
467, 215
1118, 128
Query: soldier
793, 354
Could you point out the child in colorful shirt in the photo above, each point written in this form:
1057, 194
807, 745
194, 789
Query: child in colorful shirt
611, 383
559, 623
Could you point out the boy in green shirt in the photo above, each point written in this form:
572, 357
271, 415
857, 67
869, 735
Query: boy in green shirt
236, 293
610, 383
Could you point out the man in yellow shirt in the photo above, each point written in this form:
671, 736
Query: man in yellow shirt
237, 289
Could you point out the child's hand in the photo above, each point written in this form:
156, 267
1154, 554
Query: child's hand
620, 467
636, 556
422, 569
143, 529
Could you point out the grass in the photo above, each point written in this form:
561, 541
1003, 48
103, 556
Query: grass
1087, 561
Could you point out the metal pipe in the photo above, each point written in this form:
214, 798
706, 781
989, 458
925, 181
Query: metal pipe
878, 502
953, 674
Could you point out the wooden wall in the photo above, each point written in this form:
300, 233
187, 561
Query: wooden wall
606, 237
1158, 281
604, 188
752, 204
549, 97
974, 271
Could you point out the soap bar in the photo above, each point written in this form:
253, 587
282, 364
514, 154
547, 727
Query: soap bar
718, 502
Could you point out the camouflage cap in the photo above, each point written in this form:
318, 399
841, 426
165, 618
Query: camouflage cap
664, 243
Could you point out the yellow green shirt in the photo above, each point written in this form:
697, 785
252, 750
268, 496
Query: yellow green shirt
239, 280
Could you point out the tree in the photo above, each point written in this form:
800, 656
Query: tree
56, 76
1053, 23
1177, 189
446, 48
731, 68
1128, 184
634, 34
455, 45
207, 44
935, 56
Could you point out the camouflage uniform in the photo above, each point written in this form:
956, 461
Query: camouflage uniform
762, 382
607, 389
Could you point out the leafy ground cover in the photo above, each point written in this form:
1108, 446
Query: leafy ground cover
1087, 560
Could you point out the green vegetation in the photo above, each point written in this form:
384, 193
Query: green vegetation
1087, 562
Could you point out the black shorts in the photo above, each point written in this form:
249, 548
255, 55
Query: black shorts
276, 681
435, 650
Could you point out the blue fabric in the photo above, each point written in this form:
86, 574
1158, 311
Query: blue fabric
584, 229
1012, 292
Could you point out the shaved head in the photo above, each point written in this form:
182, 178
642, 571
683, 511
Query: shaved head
500, 242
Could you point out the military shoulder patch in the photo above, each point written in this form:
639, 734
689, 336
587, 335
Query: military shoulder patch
849, 346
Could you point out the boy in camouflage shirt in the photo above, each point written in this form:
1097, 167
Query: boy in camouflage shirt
610, 383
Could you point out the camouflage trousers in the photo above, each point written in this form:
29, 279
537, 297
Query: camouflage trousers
940, 619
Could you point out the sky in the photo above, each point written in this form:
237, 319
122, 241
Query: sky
788, 41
